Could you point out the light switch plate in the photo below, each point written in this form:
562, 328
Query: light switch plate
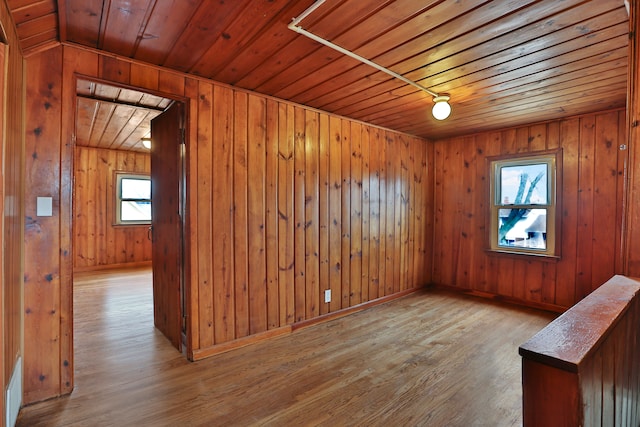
44, 206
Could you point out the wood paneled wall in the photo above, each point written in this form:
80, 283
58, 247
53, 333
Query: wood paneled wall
44, 247
283, 203
302, 202
592, 210
97, 242
12, 199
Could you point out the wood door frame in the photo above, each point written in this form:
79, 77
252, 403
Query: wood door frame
68, 177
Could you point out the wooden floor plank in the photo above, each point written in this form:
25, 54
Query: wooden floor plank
431, 358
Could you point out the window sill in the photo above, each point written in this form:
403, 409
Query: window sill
522, 255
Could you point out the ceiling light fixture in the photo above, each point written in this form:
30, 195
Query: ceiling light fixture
441, 109
146, 142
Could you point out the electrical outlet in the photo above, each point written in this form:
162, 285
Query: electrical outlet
327, 295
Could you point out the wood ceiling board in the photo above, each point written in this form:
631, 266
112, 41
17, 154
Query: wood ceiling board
313, 64
561, 42
359, 40
39, 40
206, 25
589, 66
269, 54
103, 115
477, 49
169, 19
124, 22
490, 51
258, 63
114, 118
39, 25
344, 15
581, 78
28, 10
534, 102
153, 101
136, 126
548, 111
118, 119
314, 58
17, 4
243, 30
363, 76
561, 64
482, 45
83, 20
109, 92
557, 100
129, 96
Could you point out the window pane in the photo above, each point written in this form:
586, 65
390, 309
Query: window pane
525, 228
135, 211
136, 188
524, 185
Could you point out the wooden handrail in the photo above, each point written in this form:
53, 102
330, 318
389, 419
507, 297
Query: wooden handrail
583, 369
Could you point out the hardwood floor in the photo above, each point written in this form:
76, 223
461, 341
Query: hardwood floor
429, 359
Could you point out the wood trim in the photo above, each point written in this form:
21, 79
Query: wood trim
240, 342
631, 224
556, 154
581, 369
350, 310
272, 333
488, 295
112, 266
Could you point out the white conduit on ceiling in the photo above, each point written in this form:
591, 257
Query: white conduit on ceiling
295, 26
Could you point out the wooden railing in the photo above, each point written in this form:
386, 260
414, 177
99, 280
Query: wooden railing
583, 369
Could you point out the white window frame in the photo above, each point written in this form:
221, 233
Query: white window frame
119, 176
553, 161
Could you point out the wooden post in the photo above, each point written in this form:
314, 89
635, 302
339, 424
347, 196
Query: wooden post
631, 227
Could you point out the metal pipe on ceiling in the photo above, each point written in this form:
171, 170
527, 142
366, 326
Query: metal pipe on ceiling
295, 26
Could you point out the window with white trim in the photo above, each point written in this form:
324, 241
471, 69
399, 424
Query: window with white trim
524, 204
133, 199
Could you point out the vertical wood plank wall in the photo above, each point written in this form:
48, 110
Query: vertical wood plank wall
11, 202
284, 202
592, 211
97, 242
43, 362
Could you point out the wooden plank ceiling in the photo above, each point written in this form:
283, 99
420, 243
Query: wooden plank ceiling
114, 118
504, 62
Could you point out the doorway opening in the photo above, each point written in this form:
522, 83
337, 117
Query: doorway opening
130, 265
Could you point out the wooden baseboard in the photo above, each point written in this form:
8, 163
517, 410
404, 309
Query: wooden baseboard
242, 342
350, 310
488, 295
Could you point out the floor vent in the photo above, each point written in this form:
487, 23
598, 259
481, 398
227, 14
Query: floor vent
14, 395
